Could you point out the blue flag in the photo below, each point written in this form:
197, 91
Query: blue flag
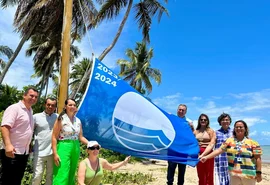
122, 120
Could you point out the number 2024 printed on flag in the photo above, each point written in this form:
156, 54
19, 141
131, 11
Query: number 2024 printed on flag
110, 80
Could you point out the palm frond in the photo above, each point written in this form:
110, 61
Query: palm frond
154, 6
6, 51
154, 74
138, 71
109, 10
143, 19
6, 3
147, 83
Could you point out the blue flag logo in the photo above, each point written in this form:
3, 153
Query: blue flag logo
121, 119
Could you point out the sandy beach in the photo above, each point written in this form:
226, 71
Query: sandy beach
159, 172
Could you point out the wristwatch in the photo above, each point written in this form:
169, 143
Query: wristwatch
259, 172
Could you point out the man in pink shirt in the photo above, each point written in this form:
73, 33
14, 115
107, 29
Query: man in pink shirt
17, 131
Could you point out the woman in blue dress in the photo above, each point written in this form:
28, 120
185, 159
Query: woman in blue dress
222, 176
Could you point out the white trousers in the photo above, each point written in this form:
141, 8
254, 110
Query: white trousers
242, 181
39, 167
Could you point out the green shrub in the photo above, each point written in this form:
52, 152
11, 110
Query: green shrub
117, 178
1, 115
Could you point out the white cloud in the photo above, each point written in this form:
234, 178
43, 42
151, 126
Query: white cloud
251, 107
216, 97
169, 102
265, 133
195, 98
250, 120
238, 105
254, 133
252, 101
212, 110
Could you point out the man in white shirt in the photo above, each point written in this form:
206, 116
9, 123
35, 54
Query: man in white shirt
44, 123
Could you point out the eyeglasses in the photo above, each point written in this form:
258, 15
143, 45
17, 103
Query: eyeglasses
238, 127
93, 148
203, 120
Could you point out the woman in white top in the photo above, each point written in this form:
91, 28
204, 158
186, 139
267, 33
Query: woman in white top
67, 133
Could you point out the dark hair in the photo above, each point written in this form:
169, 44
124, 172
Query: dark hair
245, 125
50, 98
222, 116
199, 119
60, 117
28, 89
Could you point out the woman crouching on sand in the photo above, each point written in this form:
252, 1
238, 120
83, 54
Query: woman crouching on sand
91, 169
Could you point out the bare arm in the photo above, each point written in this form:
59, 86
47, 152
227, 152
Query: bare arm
191, 126
9, 148
81, 173
210, 145
82, 138
55, 134
213, 154
108, 166
258, 167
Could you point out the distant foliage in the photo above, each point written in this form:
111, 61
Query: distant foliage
1, 115
127, 178
109, 177
8, 96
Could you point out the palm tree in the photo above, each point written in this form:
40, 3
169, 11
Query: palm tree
78, 71
8, 96
138, 71
46, 57
6, 51
6, 3
145, 10
35, 17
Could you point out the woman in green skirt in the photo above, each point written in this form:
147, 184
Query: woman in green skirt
66, 138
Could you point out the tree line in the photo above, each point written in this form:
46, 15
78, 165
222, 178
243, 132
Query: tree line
41, 23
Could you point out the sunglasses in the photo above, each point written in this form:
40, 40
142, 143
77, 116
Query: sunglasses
93, 148
203, 120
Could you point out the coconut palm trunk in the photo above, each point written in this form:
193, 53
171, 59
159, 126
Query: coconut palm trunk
105, 52
15, 54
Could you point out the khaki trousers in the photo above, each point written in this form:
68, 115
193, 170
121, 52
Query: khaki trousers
39, 168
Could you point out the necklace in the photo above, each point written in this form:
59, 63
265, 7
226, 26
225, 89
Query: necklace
238, 146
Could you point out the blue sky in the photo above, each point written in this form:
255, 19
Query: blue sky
213, 55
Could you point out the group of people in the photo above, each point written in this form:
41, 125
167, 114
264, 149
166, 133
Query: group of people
235, 158
228, 152
57, 141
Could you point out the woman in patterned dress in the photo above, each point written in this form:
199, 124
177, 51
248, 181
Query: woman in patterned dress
66, 138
